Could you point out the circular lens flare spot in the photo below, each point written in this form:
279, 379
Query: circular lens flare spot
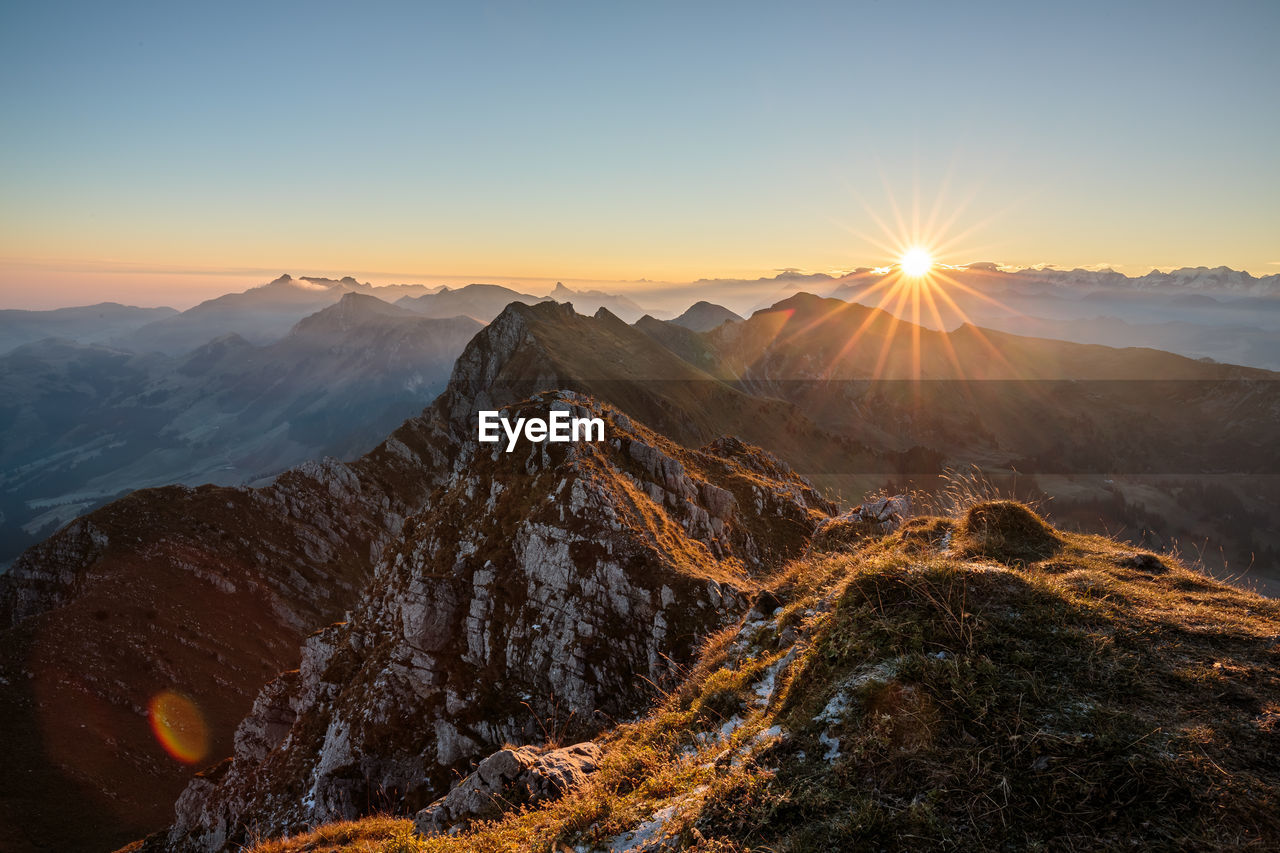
916, 262
179, 726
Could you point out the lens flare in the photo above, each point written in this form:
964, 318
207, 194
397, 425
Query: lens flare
179, 726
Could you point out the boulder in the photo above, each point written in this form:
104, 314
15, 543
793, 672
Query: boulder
511, 777
873, 518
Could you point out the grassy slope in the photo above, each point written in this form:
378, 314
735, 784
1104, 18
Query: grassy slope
979, 683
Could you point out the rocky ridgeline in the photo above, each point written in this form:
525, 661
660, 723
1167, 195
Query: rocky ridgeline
325, 512
555, 586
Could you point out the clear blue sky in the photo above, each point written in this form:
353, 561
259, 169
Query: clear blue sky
603, 140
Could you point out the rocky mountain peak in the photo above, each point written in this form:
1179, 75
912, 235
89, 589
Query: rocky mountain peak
565, 579
351, 310
704, 316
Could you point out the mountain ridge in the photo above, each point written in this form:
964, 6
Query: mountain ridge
630, 548
1117, 699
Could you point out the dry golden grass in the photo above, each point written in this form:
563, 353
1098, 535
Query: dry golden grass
996, 685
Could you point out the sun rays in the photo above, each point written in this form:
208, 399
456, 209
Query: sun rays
916, 296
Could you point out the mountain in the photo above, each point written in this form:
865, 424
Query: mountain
88, 324
260, 315
591, 301
288, 558
1222, 314
481, 302
740, 295
565, 579
385, 292
487, 595
1157, 447
704, 316
974, 681
1224, 342
681, 340
532, 348
1219, 280
979, 391
198, 593
84, 423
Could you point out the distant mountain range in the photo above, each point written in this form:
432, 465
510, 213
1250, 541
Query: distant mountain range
1222, 314
260, 315
88, 325
107, 398
1179, 310
483, 302
86, 422
1219, 280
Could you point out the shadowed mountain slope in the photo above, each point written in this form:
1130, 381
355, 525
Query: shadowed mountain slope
684, 342
978, 395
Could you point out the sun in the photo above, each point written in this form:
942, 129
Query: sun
916, 262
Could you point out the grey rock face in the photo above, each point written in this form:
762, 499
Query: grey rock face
47, 575
510, 777
873, 518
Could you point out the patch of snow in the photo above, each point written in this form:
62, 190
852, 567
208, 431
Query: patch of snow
644, 835
768, 734
835, 709
731, 725
832, 745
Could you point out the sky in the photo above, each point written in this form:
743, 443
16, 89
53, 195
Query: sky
162, 153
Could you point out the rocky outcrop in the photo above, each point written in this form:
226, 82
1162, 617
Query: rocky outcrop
511, 777
555, 586
873, 518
